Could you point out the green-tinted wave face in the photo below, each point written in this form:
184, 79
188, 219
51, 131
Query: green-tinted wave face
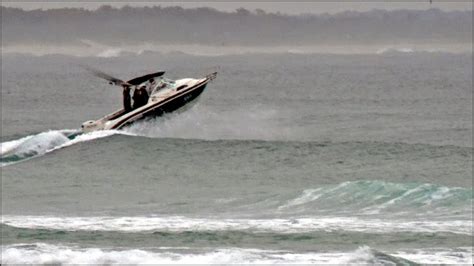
241, 178
15, 158
380, 197
285, 158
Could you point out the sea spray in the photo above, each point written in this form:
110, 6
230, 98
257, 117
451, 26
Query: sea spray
15, 151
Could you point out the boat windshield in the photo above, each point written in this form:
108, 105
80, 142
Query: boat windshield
164, 83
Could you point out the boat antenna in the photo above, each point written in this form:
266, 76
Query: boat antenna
111, 79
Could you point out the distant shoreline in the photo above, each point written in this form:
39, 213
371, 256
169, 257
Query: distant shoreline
105, 51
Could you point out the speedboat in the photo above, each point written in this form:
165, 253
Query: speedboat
165, 96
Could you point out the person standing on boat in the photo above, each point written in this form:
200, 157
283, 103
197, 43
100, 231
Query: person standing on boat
127, 101
151, 86
140, 97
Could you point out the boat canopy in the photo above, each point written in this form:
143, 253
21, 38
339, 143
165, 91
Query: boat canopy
140, 80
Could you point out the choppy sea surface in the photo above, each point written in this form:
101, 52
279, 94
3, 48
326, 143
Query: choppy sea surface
285, 158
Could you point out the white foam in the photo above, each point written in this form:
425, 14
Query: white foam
91, 136
112, 52
41, 253
39, 143
8, 146
181, 223
461, 255
399, 50
310, 195
401, 197
45, 142
373, 197
48, 254
440, 194
92, 48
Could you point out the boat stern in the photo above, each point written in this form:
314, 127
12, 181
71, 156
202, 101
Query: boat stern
91, 125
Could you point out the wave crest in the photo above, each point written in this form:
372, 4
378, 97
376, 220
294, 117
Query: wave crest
373, 197
39, 144
58, 254
280, 225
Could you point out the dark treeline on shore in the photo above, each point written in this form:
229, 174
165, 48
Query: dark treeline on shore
175, 25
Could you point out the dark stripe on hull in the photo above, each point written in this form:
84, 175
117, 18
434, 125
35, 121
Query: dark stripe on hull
167, 107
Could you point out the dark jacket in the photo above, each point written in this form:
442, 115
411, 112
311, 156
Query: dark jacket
127, 101
140, 98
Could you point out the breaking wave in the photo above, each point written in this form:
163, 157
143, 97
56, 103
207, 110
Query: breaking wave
411, 50
374, 197
113, 52
39, 144
279, 225
41, 253
358, 206
193, 123
399, 50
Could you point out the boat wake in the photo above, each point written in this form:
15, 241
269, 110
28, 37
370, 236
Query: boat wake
32, 146
195, 123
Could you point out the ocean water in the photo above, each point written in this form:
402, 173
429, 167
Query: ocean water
285, 158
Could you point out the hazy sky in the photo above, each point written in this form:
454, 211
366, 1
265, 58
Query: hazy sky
288, 7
